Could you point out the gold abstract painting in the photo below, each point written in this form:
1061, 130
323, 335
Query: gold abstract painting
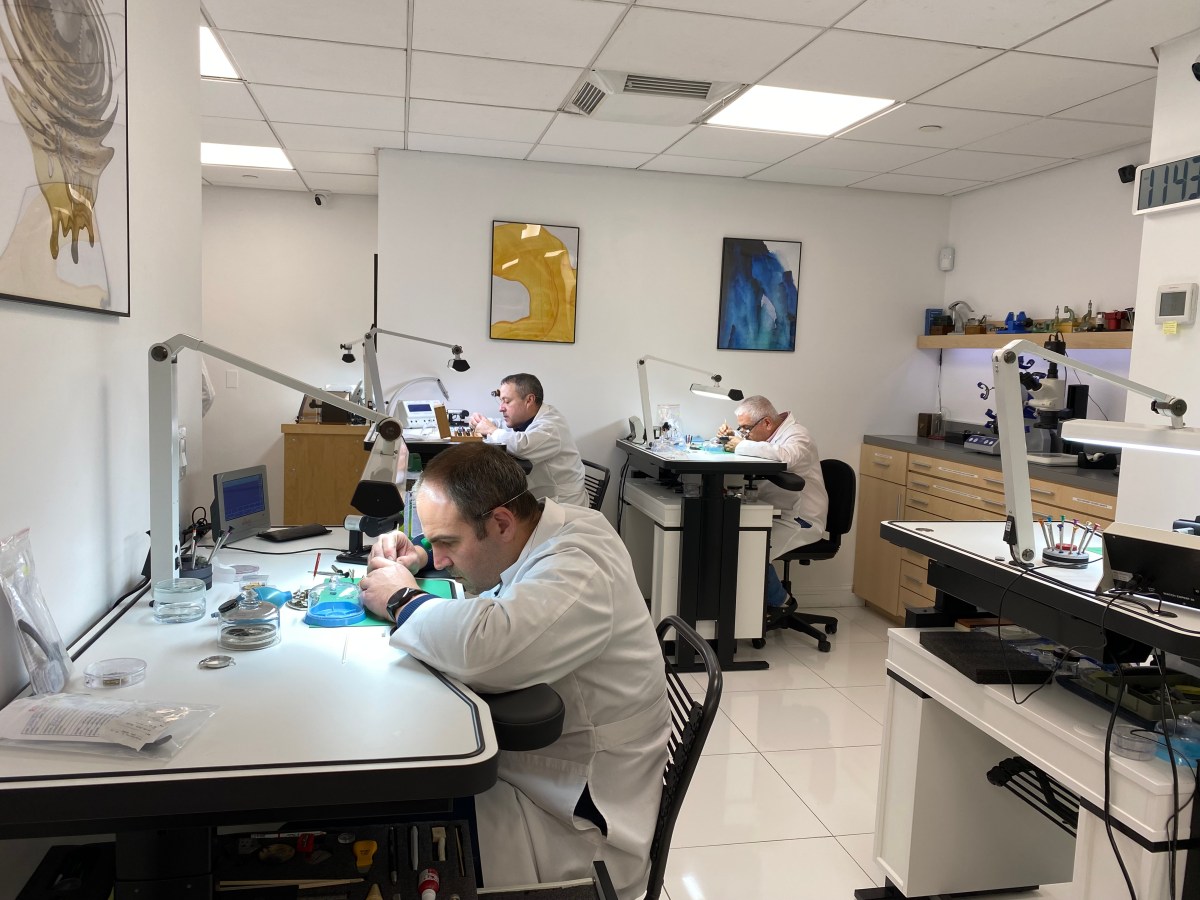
64, 200
534, 273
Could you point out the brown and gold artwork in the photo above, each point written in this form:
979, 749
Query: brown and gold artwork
534, 273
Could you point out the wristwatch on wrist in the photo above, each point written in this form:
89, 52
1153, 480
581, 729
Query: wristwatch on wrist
399, 599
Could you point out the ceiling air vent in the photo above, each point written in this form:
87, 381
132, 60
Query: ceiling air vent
645, 99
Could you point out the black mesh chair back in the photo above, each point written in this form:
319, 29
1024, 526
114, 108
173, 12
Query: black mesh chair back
691, 720
595, 478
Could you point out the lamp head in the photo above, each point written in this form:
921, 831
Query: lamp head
715, 390
457, 363
347, 352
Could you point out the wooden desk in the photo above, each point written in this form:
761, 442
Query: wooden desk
322, 465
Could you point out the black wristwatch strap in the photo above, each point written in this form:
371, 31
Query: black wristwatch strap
399, 599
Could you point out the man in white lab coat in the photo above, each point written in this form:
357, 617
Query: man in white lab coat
536, 431
558, 604
765, 433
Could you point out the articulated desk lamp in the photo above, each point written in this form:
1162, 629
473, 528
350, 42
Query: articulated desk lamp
1018, 529
373, 385
377, 496
642, 433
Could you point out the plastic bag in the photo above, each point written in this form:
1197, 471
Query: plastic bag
80, 723
42, 648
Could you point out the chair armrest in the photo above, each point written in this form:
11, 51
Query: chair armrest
787, 481
528, 719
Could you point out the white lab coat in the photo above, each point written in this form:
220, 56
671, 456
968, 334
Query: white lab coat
792, 444
547, 443
569, 613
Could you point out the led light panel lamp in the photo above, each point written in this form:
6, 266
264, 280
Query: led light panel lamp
1174, 437
373, 385
714, 389
376, 495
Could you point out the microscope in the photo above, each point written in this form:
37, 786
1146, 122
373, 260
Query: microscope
1054, 401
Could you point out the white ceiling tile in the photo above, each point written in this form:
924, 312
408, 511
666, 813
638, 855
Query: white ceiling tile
472, 79
1131, 106
214, 130
741, 144
691, 45
336, 163
342, 184
875, 65
227, 100
577, 131
309, 107
864, 156
238, 176
321, 65
471, 120
562, 32
1064, 138
1038, 85
583, 156
794, 174
693, 165
444, 143
1005, 23
916, 184
957, 126
977, 166
801, 12
347, 21
337, 140
1121, 30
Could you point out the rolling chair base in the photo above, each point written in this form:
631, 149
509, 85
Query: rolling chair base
787, 616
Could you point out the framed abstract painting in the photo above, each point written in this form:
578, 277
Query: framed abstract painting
535, 269
759, 299
64, 198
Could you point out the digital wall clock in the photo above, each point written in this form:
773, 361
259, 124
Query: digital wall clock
1168, 185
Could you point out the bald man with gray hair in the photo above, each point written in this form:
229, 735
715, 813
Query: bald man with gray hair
765, 433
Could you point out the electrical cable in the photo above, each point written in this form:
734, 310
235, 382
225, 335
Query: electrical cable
621, 493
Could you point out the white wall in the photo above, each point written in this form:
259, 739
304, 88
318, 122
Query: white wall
1059, 238
1155, 487
73, 455
649, 270
285, 282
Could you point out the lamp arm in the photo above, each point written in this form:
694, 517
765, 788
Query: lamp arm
704, 372
389, 450
644, 391
412, 337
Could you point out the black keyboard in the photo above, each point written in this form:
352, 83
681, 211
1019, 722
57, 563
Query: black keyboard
293, 532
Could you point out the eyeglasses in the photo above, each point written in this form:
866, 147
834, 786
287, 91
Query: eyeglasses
744, 430
484, 515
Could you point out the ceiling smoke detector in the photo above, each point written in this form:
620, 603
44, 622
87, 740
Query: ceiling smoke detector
645, 99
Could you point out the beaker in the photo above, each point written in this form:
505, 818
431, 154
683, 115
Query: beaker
666, 420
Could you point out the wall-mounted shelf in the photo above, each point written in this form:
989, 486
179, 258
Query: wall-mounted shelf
1076, 340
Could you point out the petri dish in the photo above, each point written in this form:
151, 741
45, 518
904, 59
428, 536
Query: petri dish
117, 672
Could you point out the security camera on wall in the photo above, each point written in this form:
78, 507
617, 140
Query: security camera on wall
321, 198
1126, 174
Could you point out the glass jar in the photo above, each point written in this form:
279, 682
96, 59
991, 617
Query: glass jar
251, 624
178, 600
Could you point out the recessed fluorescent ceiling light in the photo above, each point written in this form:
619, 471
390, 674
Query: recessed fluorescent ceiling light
240, 155
213, 61
798, 112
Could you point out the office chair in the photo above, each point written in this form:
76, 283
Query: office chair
691, 720
595, 477
840, 485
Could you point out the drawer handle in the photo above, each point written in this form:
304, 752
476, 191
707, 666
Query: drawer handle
957, 472
999, 481
922, 465
883, 464
993, 503
1092, 503
1034, 490
923, 484
916, 581
944, 489
918, 501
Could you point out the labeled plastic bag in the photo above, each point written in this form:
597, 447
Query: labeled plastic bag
42, 648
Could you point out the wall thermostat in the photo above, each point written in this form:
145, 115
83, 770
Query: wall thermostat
1176, 303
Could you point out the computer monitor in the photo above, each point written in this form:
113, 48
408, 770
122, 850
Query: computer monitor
240, 501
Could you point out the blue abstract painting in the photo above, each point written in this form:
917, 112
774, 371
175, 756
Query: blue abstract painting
758, 295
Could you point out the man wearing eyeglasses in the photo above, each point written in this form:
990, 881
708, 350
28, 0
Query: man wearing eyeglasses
558, 603
536, 431
767, 434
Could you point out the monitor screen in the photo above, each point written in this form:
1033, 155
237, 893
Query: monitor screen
418, 407
241, 502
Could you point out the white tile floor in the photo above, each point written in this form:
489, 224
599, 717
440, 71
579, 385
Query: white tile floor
782, 805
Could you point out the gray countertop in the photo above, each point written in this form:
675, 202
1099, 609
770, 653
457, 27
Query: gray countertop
1104, 481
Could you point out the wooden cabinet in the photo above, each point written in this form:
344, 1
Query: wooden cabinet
322, 464
898, 485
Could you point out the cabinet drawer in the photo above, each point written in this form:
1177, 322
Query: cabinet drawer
917, 559
912, 578
880, 462
970, 495
949, 471
1085, 504
927, 506
909, 598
